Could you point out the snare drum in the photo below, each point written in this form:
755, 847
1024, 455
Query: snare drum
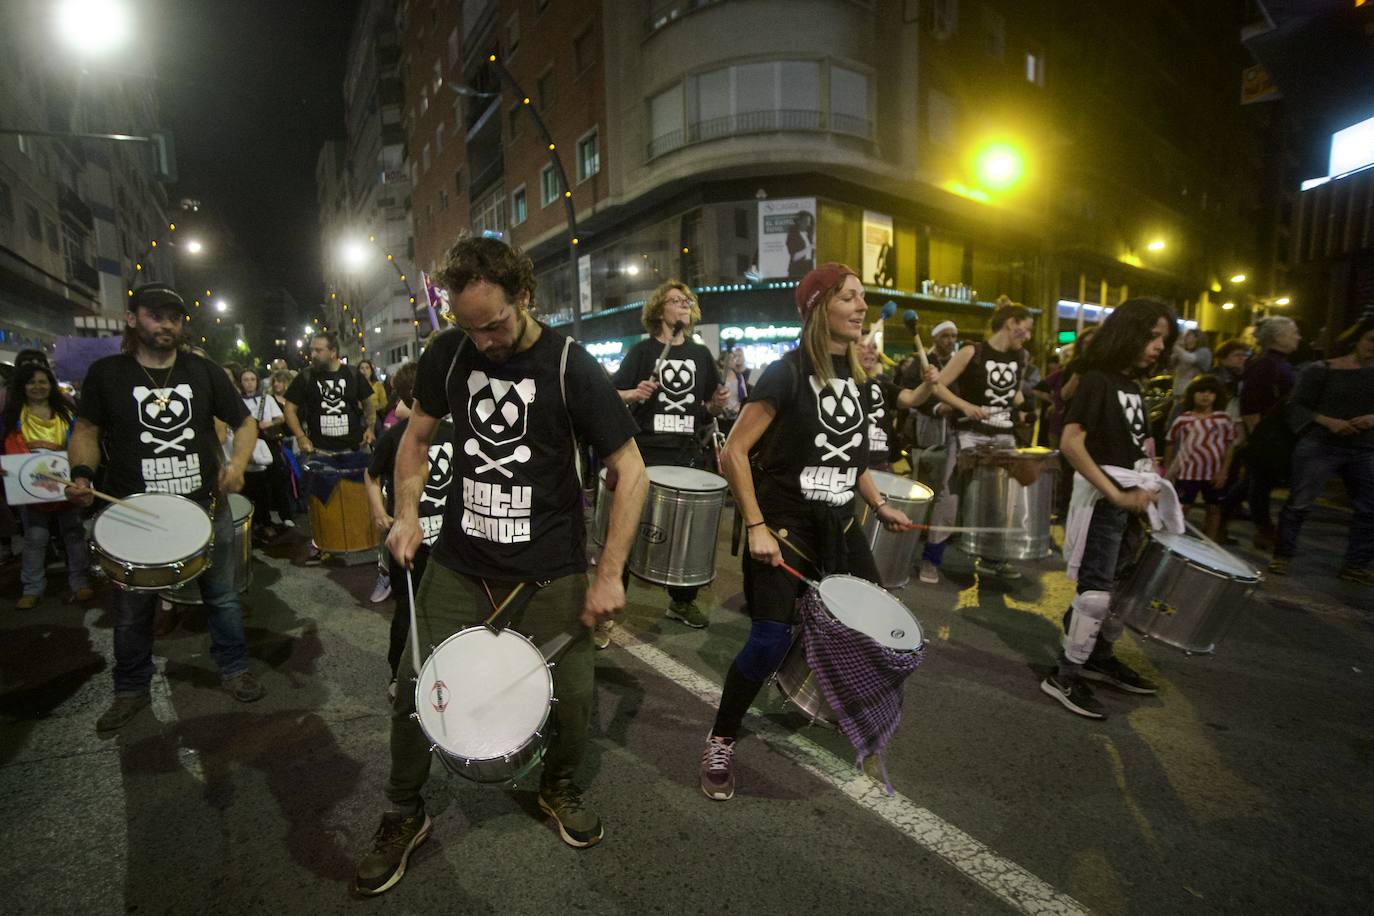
340, 518
167, 543
894, 551
1185, 592
861, 606
484, 699
241, 509
677, 533
601, 519
1008, 488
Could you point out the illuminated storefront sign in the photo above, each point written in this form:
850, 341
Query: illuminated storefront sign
755, 333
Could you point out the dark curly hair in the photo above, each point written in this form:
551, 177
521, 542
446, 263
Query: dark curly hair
473, 259
15, 398
1351, 336
1205, 383
1120, 339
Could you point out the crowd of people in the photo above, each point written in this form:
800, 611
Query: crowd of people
470, 466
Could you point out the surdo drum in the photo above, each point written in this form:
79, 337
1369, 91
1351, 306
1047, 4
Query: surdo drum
861, 606
340, 519
1185, 592
1008, 488
893, 551
484, 699
241, 508
676, 544
167, 543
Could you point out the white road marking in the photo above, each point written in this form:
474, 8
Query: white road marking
1003, 878
160, 698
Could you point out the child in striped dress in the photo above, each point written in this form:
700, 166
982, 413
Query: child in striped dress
1201, 444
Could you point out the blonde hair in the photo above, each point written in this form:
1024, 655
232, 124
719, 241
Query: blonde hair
652, 316
815, 340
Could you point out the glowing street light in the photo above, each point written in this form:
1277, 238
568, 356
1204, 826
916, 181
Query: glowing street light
299, 343
1238, 278
376, 330
1156, 245
354, 254
309, 329
194, 247
1227, 306
1282, 300
221, 306
95, 28
999, 166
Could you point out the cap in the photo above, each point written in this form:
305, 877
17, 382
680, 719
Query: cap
818, 282
942, 327
157, 295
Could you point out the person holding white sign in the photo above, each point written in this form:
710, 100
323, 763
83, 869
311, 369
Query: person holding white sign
38, 418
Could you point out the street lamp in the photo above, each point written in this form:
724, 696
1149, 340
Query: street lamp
1282, 300
999, 166
1238, 278
221, 306
1156, 245
95, 28
194, 247
354, 254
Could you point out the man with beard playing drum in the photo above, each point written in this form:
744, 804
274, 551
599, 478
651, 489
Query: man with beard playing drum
673, 388
806, 424
153, 409
519, 395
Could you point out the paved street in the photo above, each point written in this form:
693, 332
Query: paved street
1245, 787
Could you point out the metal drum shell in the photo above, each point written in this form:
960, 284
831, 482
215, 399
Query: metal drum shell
893, 551
676, 542
1180, 601
601, 518
798, 685
242, 509
151, 577
993, 498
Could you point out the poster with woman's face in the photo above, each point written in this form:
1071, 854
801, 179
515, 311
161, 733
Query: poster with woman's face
787, 237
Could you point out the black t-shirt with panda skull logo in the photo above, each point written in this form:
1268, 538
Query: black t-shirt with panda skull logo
882, 406
817, 445
991, 380
514, 512
333, 404
1111, 410
159, 432
688, 379
434, 497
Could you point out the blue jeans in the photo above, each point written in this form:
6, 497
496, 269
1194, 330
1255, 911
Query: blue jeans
1313, 464
1111, 549
133, 612
37, 530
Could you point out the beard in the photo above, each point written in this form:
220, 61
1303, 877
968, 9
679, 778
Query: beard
158, 341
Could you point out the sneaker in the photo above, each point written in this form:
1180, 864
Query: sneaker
1112, 670
288, 523
718, 768
1277, 566
28, 602
392, 845
688, 613
1076, 696
1358, 575
601, 633
120, 712
244, 687
313, 558
930, 573
381, 591
84, 593
998, 568
578, 824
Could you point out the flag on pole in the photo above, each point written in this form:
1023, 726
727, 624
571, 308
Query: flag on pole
436, 298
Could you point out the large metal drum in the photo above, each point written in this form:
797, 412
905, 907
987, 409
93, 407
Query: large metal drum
1185, 592
676, 544
241, 510
1007, 488
601, 518
894, 551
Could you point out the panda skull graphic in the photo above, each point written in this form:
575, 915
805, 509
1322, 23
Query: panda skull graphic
841, 415
164, 413
1134, 411
498, 412
678, 377
332, 396
440, 472
1001, 391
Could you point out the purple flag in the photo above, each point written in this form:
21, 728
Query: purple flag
72, 356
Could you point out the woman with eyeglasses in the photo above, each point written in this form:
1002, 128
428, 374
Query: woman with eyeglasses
673, 396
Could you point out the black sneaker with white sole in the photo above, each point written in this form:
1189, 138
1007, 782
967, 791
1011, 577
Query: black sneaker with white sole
1116, 673
392, 845
1076, 696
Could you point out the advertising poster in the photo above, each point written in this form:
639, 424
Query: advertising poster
787, 237
880, 257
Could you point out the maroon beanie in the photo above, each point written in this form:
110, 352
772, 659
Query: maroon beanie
817, 283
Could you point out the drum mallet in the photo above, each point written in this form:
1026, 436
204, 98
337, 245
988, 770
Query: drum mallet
909, 318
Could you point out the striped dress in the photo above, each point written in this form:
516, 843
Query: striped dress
1200, 443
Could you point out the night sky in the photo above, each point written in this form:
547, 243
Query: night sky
251, 89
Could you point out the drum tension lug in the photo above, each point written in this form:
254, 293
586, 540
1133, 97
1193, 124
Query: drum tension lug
433, 748
415, 716
553, 700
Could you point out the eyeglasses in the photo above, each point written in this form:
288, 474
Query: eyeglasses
677, 301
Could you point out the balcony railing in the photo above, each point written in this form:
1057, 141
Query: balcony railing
753, 122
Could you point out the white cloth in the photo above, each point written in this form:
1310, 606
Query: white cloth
268, 406
941, 328
1164, 512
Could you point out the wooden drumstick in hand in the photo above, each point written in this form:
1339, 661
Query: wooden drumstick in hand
53, 478
909, 318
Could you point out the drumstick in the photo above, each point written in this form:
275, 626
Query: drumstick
810, 582
53, 478
414, 636
909, 318
912, 526
677, 329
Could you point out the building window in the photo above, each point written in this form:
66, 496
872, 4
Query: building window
458, 182
23, 143
584, 47
771, 95
439, 138
35, 225
443, 200
489, 213
438, 77
514, 122
6, 203
666, 126
512, 33
849, 102
519, 206
546, 90
51, 233
549, 185
588, 156
940, 118
944, 17
1035, 67
994, 35
424, 159
452, 48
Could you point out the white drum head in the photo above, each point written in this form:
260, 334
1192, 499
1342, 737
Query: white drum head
863, 606
240, 507
1207, 555
482, 695
667, 475
894, 486
176, 529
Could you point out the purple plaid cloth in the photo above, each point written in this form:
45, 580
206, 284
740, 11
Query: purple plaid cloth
860, 679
